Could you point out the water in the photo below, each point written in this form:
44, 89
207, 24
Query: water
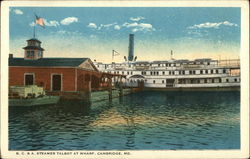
145, 120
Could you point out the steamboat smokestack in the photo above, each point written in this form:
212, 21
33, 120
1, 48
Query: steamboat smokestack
131, 47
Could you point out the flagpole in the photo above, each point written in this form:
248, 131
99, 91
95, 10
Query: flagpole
112, 54
34, 29
34, 32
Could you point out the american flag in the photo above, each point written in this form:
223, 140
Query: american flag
40, 21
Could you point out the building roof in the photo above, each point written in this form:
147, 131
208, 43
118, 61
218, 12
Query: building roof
33, 47
34, 39
203, 60
70, 62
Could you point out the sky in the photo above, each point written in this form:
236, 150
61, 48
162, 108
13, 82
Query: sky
93, 32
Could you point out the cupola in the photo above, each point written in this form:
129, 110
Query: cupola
33, 50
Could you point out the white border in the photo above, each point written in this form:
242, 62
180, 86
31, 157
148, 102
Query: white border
242, 153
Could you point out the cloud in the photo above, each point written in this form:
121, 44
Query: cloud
65, 32
32, 24
137, 18
18, 11
106, 26
139, 26
102, 26
134, 26
117, 27
92, 25
212, 25
51, 23
69, 20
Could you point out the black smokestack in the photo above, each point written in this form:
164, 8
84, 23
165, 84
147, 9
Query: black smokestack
131, 47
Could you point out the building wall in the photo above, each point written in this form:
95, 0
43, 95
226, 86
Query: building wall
43, 76
87, 79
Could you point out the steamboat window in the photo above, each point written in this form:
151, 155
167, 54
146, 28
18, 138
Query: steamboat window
212, 80
205, 81
212, 71
163, 72
201, 72
162, 81
217, 71
153, 81
127, 73
235, 80
193, 72
179, 72
159, 65
219, 80
183, 72
208, 63
190, 72
227, 80
131, 73
173, 72
206, 71
157, 73
151, 73
224, 71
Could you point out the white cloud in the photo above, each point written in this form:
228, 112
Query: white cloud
212, 25
117, 27
53, 23
134, 26
92, 25
69, 20
106, 26
139, 26
61, 32
137, 18
93, 36
18, 11
32, 24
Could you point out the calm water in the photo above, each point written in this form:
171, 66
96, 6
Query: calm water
145, 120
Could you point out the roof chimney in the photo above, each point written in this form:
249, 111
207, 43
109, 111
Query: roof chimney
10, 56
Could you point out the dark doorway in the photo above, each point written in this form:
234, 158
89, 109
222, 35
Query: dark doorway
170, 82
29, 79
56, 82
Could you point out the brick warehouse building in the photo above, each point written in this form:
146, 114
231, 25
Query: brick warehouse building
54, 74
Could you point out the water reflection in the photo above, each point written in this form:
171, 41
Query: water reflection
145, 120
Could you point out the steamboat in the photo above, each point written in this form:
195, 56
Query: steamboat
197, 74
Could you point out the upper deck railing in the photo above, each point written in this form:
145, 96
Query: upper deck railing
229, 63
234, 63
